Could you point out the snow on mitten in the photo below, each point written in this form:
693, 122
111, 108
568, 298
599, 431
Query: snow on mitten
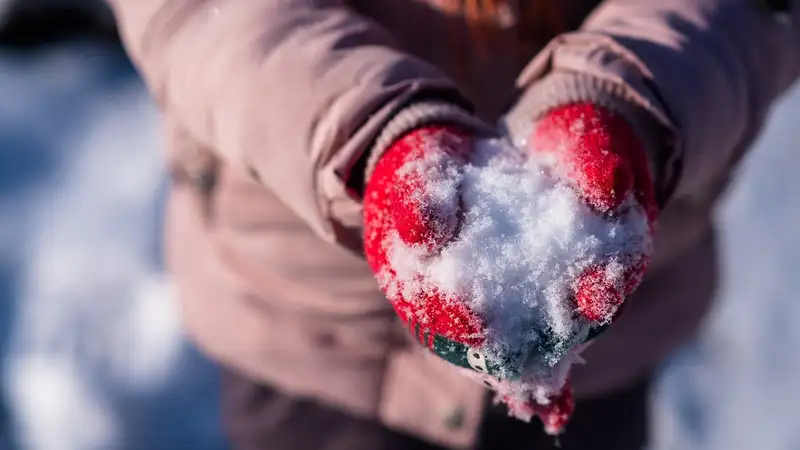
604, 160
505, 261
409, 198
601, 157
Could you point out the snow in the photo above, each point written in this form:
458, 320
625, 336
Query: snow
525, 239
737, 388
94, 358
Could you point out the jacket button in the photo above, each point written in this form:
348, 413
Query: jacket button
454, 418
326, 339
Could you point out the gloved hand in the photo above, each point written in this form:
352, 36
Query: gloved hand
601, 156
397, 201
594, 151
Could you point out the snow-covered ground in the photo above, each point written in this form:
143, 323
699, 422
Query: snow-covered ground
93, 354
94, 357
739, 386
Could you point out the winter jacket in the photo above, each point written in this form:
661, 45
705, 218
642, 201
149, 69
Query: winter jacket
270, 104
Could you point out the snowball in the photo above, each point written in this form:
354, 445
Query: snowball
525, 237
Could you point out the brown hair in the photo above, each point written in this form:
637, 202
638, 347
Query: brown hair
538, 22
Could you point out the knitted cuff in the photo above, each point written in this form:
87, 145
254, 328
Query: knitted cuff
563, 88
421, 114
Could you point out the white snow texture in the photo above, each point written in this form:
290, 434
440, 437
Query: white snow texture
525, 238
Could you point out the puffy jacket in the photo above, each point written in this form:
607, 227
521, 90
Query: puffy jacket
270, 104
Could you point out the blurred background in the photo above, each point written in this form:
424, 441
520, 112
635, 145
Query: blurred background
92, 352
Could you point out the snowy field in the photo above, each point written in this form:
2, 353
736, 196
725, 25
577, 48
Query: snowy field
93, 354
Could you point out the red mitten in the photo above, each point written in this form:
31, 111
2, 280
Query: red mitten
602, 157
410, 198
399, 202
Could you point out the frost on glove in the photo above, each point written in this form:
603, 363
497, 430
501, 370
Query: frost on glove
504, 260
600, 156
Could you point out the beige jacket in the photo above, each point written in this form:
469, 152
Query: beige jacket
270, 104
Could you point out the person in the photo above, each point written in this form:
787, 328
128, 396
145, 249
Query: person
287, 124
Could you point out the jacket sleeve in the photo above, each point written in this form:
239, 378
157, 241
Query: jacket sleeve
696, 77
292, 91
